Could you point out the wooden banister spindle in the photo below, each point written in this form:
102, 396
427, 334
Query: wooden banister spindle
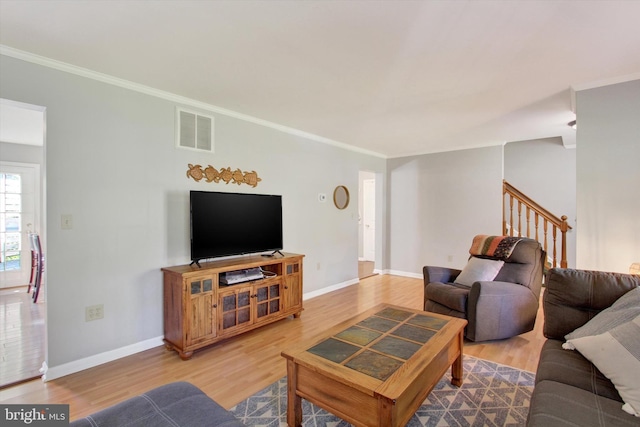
504, 216
504, 211
528, 221
555, 256
511, 214
564, 226
519, 218
544, 230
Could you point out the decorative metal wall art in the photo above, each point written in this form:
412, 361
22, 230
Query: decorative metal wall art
211, 174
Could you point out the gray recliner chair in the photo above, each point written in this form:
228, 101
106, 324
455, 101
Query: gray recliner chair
504, 307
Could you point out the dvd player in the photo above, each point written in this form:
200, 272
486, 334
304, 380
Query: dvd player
239, 276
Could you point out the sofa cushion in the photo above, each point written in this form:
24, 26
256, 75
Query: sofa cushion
557, 404
450, 295
176, 404
573, 297
616, 353
571, 368
434, 307
478, 270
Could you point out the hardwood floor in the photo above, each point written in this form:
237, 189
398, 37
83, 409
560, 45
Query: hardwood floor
365, 269
232, 370
22, 335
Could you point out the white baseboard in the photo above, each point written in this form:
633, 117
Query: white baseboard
403, 274
313, 294
54, 372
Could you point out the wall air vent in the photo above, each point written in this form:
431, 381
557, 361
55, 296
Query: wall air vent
194, 131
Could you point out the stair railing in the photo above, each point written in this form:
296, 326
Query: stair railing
512, 196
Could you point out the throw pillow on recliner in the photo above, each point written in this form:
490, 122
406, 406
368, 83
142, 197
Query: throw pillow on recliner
478, 270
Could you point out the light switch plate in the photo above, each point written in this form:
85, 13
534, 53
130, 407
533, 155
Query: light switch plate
66, 221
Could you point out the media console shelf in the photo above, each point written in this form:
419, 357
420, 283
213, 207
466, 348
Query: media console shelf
200, 311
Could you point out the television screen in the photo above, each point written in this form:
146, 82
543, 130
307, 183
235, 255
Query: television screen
225, 224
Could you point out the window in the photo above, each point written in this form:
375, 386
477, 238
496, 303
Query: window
10, 221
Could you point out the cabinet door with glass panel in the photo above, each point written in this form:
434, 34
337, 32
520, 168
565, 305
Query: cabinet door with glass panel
234, 308
241, 306
200, 309
268, 299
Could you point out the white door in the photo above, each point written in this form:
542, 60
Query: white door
19, 207
369, 219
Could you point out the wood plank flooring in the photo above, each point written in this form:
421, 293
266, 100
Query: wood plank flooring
22, 335
365, 269
232, 370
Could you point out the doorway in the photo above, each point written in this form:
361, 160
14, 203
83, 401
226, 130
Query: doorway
23, 327
367, 224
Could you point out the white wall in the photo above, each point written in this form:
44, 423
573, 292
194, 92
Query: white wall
608, 177
21, 153
438, 202
545, 170
111, 163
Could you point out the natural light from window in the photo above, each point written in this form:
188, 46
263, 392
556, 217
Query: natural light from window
10, 221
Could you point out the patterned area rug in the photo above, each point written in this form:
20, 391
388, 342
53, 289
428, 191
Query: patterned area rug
491, 395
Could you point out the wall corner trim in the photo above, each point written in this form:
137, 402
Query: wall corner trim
59, 371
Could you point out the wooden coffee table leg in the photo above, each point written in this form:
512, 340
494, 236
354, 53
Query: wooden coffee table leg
294, 402
457, 367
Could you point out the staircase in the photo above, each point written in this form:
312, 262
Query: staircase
536, 223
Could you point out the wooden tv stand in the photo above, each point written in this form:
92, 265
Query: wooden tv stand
200, 311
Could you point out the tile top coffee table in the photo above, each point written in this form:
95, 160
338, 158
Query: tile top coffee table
376, 368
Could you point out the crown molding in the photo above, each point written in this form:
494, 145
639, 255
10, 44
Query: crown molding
448, 149
105, 78
605, 82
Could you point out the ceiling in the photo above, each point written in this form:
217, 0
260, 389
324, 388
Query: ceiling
394, 78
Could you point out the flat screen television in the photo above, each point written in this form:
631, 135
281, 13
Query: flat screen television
224, 224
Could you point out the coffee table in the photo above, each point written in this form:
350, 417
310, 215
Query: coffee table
376, 368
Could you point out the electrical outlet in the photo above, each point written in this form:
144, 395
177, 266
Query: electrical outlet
94, 312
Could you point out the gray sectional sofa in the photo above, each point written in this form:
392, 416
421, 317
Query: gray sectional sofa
175, 404
570, 390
